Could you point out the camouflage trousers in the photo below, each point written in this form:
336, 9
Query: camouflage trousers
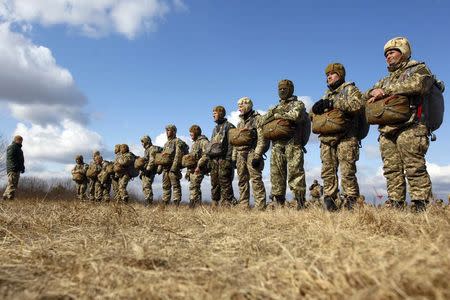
102, 191
11, 187
171, 182
81, 190
91, 189
287, 160
404, 158
221, 181
147, 189
115, 187
195, 189
344, 156
122, 188
246, 172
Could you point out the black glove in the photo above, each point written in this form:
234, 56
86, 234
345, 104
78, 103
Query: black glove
256, 162
23, 170
233, 164
320, 106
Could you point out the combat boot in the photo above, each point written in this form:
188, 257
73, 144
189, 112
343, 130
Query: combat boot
400, 205
280, 200
419, 205
330, 204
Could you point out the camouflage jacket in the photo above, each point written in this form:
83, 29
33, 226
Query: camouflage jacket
293, 110
348, 99
220, 134
259, 144
80, 169
198, 149
149, 155
124, 159
173, 148
412, 79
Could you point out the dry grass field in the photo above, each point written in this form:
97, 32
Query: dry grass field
69, 250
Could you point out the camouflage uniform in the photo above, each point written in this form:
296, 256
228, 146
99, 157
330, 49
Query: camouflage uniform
103, 189
244, 155
115, 177
172, 174
287, 155
222, 169
315, 191
124, 159
81, 186
342, 150
195, 179
403, 147
148, 175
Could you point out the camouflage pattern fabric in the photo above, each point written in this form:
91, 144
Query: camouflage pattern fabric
287, 155
403, 146
344, 156
11, 187
91, 185
315, 191
243, 155
172, 174
148, 175
124, 159
195, 179
221, 181
222, 172
81, 187
247, 172
341, 151
103, 191
404, 158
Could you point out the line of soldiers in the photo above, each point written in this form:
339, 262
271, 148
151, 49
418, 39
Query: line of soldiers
286, 127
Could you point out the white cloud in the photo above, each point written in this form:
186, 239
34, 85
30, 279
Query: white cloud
92, 18
161, 139
57, 143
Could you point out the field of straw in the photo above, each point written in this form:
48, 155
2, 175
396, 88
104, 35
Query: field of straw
68, 249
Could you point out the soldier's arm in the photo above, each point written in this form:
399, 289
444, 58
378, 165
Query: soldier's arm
378, 85
295, 113
229, 154
353, 102
417, 83
203, 160
177, 158
261, 142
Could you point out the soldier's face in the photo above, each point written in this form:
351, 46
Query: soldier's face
193, 135
284, 92
143, 143
393, 57
244, 108
332, 78
79, 161
216, 115
170, 133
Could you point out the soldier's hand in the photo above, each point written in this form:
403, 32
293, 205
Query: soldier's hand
197, 170
318, 107
327, 104
22, 171
187, 176
276, 116
159, 170
377, 93
256, 162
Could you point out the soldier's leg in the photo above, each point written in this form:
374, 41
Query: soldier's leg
115, 188
147, 188
278, 172
195, 195
259, 190
106, 195
123, 183
98, 191
215, 183
348, 155
329, 176
11, 187
176, 186
244, 178
413, 144
225, 180
393, 171
91, 192
83, 189
167, 187
296, 178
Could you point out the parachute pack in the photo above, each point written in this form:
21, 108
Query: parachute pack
431, 110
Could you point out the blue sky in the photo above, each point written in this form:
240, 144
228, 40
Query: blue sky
173, 67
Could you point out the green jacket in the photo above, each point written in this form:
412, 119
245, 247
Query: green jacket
14, 158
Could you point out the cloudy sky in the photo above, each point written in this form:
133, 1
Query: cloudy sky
79, 75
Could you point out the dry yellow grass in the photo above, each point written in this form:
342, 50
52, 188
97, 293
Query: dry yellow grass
67, 249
